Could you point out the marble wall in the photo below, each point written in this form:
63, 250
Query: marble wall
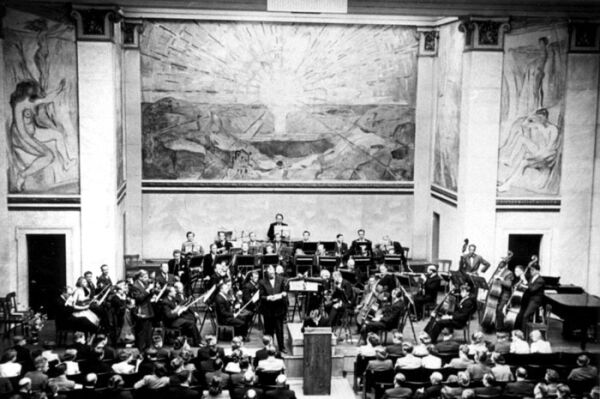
41, 93
279, 102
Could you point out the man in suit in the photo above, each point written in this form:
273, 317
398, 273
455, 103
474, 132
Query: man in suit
433, 390
142, 292
361, 246
176, 263
223, 245
262, 353
276, 226
489, 386
341, 248
181, 389
249, 289
103, 280
394, 248
163, 277
398, 391
448, 346
273, 305
463, 312
281, 390
534, 294
225, 314
471, 262
506, 279
342, 298
386, 280
177, 317
521, 387
204, 352
208, 264
90, 280
392, 309
431, 286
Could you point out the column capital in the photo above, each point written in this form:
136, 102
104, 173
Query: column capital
428, 41
484, 34
584, 36
132, 29
96, 23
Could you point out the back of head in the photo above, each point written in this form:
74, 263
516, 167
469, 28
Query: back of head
436, 377
521, 373
281, 380
468, 394
552, 376
399, 379
583, 360
267, 340
160, 370
183, 376
25, 383
91, 379
397, 337
464, 379
408, 347
373, 339
563, 391
271, 351
489, 379
115, 382
214, 387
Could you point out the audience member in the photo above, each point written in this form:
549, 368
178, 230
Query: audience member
60, 382
218, 374
518, 344
372, 342
548, 386
538, 344
502, 344
116, 389
447, 345
8, 364
421, 350
281, 390
478, 343
181, 386
489, 386
409, 361
261, 354
398, 391
38, 377
521, 387
381, 361
563, 391
395, 349
468, 394
23, 354
68, 359
500, 370
478, 369
157, 380
462, 361
126, 364
584, 371
271, 363
433, 390
431, 361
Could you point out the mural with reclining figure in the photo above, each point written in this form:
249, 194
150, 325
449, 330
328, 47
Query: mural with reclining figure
531, 125
278, 102
41, 90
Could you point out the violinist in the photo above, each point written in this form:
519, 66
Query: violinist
534, 293
225, 311
506, 279
342, 297
176, 315
463, 312
103, 280
223, 245
221, 273
142, 291
428, 293
386, 280
391, 308
163, 277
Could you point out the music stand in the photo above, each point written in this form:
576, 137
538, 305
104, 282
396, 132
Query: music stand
362, 264
393, 262
303, 263
308, 247
328, 245
221, 258
328, 262
244, 263
301, 287
255, 250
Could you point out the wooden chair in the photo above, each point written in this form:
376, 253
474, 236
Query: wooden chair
18, 317
541, 321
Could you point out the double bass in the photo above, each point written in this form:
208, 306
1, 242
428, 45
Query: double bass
488, 320
513, 307
432, 320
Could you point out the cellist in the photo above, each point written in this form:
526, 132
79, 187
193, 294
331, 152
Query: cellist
507, 280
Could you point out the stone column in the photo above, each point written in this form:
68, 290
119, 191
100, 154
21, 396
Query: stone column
424, 115
579, 222
133, 134
4, 241
479, 130
97, 62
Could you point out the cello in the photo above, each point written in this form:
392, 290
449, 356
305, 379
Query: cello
488, 320
432, 320
513, 307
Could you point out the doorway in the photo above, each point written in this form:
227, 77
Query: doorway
435, 237
46, 258
522, 247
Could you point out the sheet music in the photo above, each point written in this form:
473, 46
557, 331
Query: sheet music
303, 286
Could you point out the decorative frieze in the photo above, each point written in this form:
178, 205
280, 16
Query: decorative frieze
484, 34
132, 29
584, 37
96, 23
428, 42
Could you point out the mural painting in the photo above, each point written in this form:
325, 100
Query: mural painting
531, 126
41, 85
278, 102
447, 128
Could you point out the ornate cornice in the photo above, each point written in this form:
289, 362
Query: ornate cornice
428, 41
132, 29
96, 23
584, 37
484, 34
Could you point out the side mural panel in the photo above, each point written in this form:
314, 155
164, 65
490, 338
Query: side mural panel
531, 126
41, 81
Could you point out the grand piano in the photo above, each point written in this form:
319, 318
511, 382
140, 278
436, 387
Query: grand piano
579, 311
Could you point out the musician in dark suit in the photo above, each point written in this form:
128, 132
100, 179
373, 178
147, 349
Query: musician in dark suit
458, 319
176, 263
276, 226
342, 298
225, 311
471, 262
103, 280
361, 246
341, 248
273, 305
163, 277
208, 264
249, 289
175, 315
386, 281
392, 309
90, 281
534, 294
393, 248
142, 292
506, 279
428, 294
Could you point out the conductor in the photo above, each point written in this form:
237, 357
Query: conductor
273, 305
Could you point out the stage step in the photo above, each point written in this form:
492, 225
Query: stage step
340, 389
296, 340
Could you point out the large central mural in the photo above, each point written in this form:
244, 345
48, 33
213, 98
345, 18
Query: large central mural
278, 102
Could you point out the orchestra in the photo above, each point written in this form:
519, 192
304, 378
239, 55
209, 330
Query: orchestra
134, 307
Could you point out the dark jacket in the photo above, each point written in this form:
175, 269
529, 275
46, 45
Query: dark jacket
391, 315
272, 308
271, 232
519, 388
535, 291
279, 393
464, 310
143, 305
431, 286
397, 393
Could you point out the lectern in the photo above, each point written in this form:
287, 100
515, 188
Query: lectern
317, 361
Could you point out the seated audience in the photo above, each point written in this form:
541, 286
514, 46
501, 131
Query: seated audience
218, 373
68, 359
563, 392
455, 386
463, 360
489, 386
478, 369
521, 387
368, 350
548, 386
215, 388
271, 363
538, 344
24, 389
181, 386
500, 370
261, 354
23, 354
38, 377
146, 366
157, 380
518, 344
447, 345
478, 343
6, 388
421, 349
126, 365
60, 382
468, 394
381, 362
211, 344
162, 354
585, 371
281, 390
409, 361
398, 391
502, 344
8, 365
395, 349
433, 390
116, 389
431, 361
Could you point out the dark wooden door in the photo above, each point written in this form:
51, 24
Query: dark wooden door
46, 255
522, 247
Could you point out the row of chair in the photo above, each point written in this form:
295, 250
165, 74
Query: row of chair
11, 317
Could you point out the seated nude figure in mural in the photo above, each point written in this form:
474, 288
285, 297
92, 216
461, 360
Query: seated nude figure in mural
534, 142
32, 139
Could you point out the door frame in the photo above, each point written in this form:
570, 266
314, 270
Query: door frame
23, 261
545, 255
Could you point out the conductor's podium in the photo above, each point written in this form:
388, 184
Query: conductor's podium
296, 361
